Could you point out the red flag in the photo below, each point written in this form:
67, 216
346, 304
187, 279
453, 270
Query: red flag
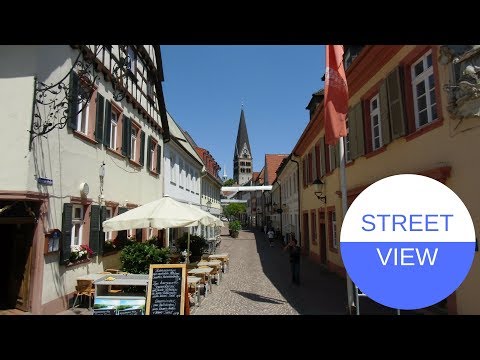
336, 95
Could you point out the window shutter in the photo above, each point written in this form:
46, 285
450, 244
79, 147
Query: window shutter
66, 233
322, 157
317, 161
149, 154
304, 173
384, 114
395, 103
333, 150
73, 100
125, 137
100, 118
352, 131
95, 227
107, 121
310, 168
142, 146
103, 217
359, 133
122, 235
159, 158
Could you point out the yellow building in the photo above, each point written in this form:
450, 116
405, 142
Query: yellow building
412, 109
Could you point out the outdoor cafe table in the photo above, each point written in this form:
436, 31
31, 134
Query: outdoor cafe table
194, 280
223, 257
205, 271
92, 277
101, 285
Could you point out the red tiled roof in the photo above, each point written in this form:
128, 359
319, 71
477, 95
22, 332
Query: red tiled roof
272, 162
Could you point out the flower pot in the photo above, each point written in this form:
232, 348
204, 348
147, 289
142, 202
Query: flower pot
234, 234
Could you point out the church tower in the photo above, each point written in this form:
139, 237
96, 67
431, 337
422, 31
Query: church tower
242, 156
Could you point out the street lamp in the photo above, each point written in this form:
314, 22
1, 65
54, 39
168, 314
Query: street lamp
319, 185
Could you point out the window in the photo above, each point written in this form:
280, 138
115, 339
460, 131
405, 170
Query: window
150, 85
197, 181
423, 86
181, 169
77, 225
153, 145
173, 174
375, 121
133, 143
131, 59
82, 110
113, 130
109, 215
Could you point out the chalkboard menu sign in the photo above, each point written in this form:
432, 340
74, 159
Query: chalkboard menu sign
166, 290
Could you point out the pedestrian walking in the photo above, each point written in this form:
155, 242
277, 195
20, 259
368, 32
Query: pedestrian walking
271, 234
294, 251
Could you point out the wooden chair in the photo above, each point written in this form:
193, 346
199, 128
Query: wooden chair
84, 288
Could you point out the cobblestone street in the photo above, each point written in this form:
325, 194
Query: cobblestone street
258, 283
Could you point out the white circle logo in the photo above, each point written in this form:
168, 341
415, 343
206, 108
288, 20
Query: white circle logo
407, 241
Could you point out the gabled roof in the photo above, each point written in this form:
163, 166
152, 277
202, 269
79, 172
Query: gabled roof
242, 136
178, 136
272, 162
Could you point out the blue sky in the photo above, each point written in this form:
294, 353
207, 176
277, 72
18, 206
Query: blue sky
205, 85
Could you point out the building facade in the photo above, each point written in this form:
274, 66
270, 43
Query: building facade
87, 125
412, 109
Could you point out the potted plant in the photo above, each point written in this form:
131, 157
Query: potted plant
234, 227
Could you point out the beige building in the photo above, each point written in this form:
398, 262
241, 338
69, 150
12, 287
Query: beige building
86, 127
412, 110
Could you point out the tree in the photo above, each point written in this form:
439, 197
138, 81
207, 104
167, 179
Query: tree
229, 182
233, 210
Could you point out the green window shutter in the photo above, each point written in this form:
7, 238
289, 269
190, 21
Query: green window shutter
323, 170
73, 100
95, 227
108, 119
352, 132
100, 118
122, 235
66, 233
359, 133
103, 217
395, 103
142, 147
149, 155
125, 136
159, 158
333, 150
384, 114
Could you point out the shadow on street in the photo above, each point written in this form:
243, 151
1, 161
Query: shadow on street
320, 292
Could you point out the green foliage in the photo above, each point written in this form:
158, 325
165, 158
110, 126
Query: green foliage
137, 257
229, 182
198, 244
235, 225
233, 210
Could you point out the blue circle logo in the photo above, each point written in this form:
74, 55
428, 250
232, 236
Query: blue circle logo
407, 241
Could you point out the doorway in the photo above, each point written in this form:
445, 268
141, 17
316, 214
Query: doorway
306, 234
16, 265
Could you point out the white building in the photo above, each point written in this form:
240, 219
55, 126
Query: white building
83, 129
183, 170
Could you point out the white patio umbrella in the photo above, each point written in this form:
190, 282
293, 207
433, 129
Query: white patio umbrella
160, 214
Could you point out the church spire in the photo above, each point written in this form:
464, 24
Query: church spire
242, 156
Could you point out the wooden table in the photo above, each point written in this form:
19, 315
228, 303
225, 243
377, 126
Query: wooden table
205, 273
120, 280
195, 280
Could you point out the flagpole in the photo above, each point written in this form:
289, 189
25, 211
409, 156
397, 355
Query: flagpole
343, 186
